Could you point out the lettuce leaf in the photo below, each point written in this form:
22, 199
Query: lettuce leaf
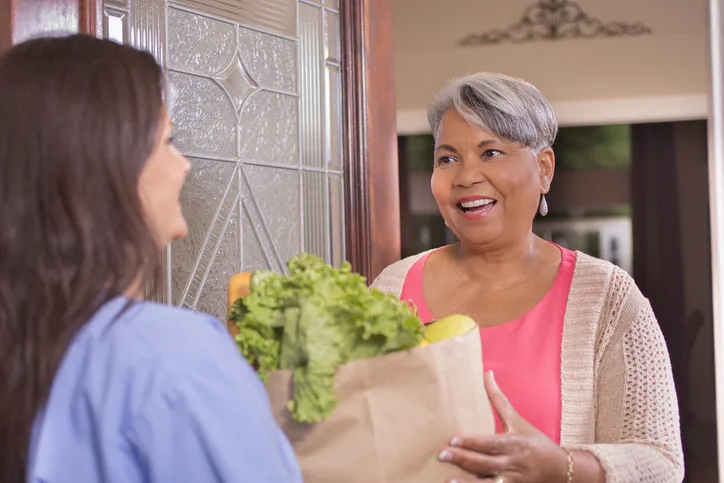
313, 321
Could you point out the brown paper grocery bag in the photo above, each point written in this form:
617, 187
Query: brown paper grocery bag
395, 413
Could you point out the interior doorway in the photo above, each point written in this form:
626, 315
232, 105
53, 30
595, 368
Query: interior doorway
635, 195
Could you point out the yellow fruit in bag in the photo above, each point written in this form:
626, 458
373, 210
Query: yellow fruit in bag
449, 327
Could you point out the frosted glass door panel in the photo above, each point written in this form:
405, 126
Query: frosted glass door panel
254, 88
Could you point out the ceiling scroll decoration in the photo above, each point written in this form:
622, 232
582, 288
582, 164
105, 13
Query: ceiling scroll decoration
555, 20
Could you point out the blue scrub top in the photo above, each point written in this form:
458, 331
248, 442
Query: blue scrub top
155, 393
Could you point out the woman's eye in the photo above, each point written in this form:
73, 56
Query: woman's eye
492, 153
442, 160
171, 140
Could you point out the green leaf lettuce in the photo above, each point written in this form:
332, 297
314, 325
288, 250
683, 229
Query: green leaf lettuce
313, 321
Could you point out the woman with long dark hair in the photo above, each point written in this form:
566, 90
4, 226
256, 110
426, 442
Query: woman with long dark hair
97, 384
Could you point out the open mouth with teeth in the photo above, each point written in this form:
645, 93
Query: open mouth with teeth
476, 206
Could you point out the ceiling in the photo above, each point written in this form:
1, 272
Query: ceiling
670, 62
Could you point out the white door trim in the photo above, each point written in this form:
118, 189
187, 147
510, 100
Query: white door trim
716, 205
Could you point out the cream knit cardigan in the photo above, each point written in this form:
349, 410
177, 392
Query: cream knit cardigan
617, 390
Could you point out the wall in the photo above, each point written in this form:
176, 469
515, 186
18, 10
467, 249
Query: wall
662, 76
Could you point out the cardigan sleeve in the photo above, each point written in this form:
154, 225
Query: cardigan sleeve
637, 434
393, 277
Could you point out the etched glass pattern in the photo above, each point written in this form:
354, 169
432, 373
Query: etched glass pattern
270, 60
315, 214
275, 194
332, 37
253, 257
254, 90
310, 40
269, 129
115, 25
228, 205
336, 218
276, 16
334, 118
227, 261
197, 44
207, 185
148, 27
205, 121
236, 82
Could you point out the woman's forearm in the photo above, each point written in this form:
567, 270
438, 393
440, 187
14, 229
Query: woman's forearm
587, 468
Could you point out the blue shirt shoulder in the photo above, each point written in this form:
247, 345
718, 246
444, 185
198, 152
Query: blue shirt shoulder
152, 393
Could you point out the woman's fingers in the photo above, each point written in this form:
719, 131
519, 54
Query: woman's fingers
500, 444
481, 465
507, 414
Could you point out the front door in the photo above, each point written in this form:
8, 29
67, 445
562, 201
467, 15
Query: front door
285, 109
254, 89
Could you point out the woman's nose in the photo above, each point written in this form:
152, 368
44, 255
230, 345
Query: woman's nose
469, 174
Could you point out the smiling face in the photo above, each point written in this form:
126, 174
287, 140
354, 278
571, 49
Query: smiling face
487, 189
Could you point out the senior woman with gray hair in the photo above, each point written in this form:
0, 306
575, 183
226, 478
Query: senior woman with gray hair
577, 368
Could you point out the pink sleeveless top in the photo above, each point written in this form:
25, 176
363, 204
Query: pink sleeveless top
525, 353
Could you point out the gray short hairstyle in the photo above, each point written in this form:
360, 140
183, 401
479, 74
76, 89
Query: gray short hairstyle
510, 108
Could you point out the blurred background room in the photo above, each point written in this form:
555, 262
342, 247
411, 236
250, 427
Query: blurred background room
629, 82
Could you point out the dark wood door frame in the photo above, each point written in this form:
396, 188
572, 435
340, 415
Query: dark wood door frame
6, 24
407, 228
372, 196
372, 191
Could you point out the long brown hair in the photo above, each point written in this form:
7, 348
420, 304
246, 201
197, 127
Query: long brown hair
79, 117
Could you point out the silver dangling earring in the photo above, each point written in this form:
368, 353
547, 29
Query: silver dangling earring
447, 224
543, 210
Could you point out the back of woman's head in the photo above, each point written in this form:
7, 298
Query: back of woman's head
79, 117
